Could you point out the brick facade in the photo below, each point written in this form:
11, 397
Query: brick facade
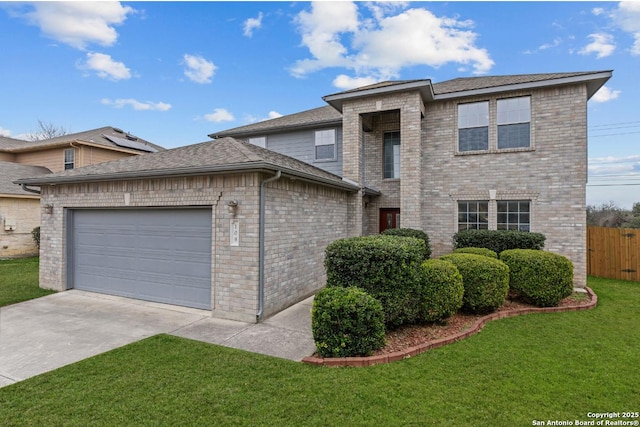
551, 174
295, 241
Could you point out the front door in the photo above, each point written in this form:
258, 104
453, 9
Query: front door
389, 218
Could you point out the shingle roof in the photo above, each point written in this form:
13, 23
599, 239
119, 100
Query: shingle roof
219, 156
329, 115
98, 136
9, 172
314, 117
474, 83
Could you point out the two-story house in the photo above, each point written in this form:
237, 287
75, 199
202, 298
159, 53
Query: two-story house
20, 209
239, 225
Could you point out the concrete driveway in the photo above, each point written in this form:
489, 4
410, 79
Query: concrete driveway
53, 331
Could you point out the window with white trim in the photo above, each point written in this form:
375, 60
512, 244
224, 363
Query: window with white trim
514, 215
260, 141
473, 215
473, 126
514, 122
391, 155
69, 158
325, 142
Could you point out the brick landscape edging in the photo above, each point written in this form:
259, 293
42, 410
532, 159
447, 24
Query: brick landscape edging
474, 329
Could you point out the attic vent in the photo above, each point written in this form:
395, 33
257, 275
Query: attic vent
118, 130
131, 137
136, 145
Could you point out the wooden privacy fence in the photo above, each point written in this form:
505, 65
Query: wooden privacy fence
613, 253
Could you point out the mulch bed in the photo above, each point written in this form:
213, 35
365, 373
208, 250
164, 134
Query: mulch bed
413, 335
411, 340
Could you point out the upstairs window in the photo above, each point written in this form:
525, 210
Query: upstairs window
69, 158
325, 141
392, 155
473, 126
473, 215
260, 141
514, 119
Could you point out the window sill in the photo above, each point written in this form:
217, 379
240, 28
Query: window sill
325, 160
495, 151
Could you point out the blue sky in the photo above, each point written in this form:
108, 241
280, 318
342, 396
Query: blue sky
174, 72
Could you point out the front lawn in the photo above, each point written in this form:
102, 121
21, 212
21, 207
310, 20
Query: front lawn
516, 371
19, 281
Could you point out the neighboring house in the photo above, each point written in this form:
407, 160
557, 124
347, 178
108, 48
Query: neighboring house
54, 155
241, 230
19, 211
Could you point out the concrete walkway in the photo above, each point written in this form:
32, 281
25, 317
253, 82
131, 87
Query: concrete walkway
50, 332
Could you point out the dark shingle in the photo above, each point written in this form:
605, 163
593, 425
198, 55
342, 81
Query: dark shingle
219, 156
94, 136
10, 172
313, 117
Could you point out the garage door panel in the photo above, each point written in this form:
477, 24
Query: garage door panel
161, 255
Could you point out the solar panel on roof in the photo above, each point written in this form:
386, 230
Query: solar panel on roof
127, 143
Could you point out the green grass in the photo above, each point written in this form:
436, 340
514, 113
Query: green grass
535, 367
19, 281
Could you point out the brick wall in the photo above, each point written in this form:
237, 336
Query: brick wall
552, 174
301, 220
24, 212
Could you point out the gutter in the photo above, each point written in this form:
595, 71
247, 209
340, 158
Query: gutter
261, 244
30, 190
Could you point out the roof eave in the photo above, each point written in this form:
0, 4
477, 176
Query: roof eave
162, 173
259, 132
594, 82
424, 87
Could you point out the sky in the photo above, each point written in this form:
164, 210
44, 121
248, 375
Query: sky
174, 72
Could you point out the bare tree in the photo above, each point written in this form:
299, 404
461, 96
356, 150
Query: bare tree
46, 130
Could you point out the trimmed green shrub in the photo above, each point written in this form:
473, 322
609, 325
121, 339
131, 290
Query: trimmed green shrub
540, 278
440, 290
477, 251
410, 232
347, 322
35, 234
384, 266
486, 281
498, 240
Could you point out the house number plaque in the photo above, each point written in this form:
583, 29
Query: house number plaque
235, 232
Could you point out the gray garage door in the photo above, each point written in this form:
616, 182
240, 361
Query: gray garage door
161, 255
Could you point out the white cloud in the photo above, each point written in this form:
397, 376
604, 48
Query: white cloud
274, 115
602, 45
345, 82
597, 11
605, 94
252, 24
627, 17
198, 70
380, 46
105, 66
248, 118
136, 105
4, 132
78, 24
219, 115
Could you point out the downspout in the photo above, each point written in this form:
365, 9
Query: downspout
261, 245
30, 190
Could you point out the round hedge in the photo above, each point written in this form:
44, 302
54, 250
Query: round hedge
384, 266
410, 232
477, 251
440, 290
540, 278
347, 322
486, 281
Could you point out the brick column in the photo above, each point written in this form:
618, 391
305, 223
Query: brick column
352, 164
411, 163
